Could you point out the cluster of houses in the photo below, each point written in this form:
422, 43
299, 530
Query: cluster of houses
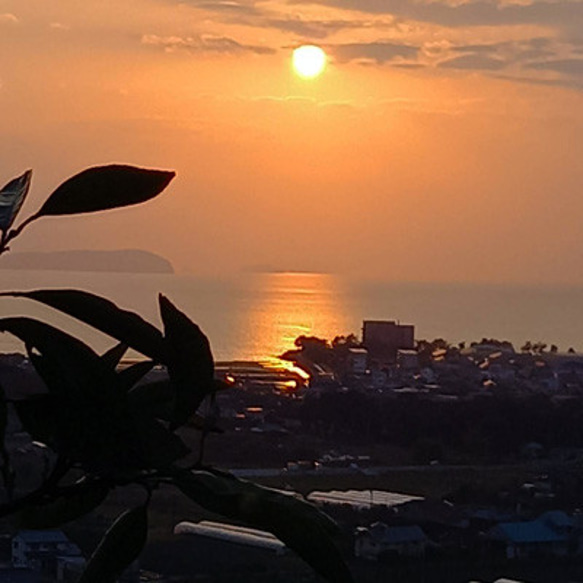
412, 529
42, 555
388, 358
552, 534
47, 556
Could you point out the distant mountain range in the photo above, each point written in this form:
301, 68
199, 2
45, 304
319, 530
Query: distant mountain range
120, 261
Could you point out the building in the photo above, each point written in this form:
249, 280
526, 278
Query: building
46, 551
10, 575
229, 533
380, 539
383, 338
361, 499
407, 360
548, 535
357, 361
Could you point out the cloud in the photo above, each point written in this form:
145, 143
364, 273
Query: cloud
487, 49
573, 67
319, 28
476, 61
557, 13
59, 26
227, 7
251, 14
378, 52
8, 18
512, 51
203, 44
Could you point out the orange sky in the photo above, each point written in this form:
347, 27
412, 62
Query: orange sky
443, 142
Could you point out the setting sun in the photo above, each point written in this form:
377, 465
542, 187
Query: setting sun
309, 61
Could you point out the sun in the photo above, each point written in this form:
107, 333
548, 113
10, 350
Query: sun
309, 61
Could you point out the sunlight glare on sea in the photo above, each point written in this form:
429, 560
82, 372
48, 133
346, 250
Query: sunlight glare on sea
252, 317
283, 306
258, 316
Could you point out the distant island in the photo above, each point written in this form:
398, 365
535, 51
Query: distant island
119, 261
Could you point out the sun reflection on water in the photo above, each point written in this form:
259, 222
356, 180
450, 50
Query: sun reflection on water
288, 305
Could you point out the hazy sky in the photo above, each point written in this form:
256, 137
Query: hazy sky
444, 141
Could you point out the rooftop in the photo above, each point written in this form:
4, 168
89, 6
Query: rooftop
42, 536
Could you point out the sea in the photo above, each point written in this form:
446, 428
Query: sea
258, 316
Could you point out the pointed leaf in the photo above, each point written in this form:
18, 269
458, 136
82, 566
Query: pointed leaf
125, 326
152, 399
11, 199
114, 355
105, 187
134, 373
68, 420
38, 417
206, 424
119, 548
298, 524
157, 447
69, 506
91, 409
3, 416
190, 361
6, 469
73, 354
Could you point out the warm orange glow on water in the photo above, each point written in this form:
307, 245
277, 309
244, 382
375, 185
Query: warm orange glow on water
291, 305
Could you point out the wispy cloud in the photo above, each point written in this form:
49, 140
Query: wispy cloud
227, 7
204, 44
278, 16
8, 18
478, 13
320, 29
377, 52
476, 61
572, 67
59, 26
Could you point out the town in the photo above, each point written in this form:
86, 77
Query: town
440, 462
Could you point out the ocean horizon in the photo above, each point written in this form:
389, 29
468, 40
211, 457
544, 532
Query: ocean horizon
258, 316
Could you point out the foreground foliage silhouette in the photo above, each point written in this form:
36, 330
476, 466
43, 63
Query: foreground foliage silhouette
108, 429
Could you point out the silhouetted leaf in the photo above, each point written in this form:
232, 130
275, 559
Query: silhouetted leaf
114, 355
152, 399
206, 424
73, 419
8, 474
221, 385
74, 357
155, 400
70, 505
158, 447
38, 417
3, 416
105, 187
44, 337
127, 327
131, 375
91, 408
298, 524
190, 361
6, 468
12, 197
119, 548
